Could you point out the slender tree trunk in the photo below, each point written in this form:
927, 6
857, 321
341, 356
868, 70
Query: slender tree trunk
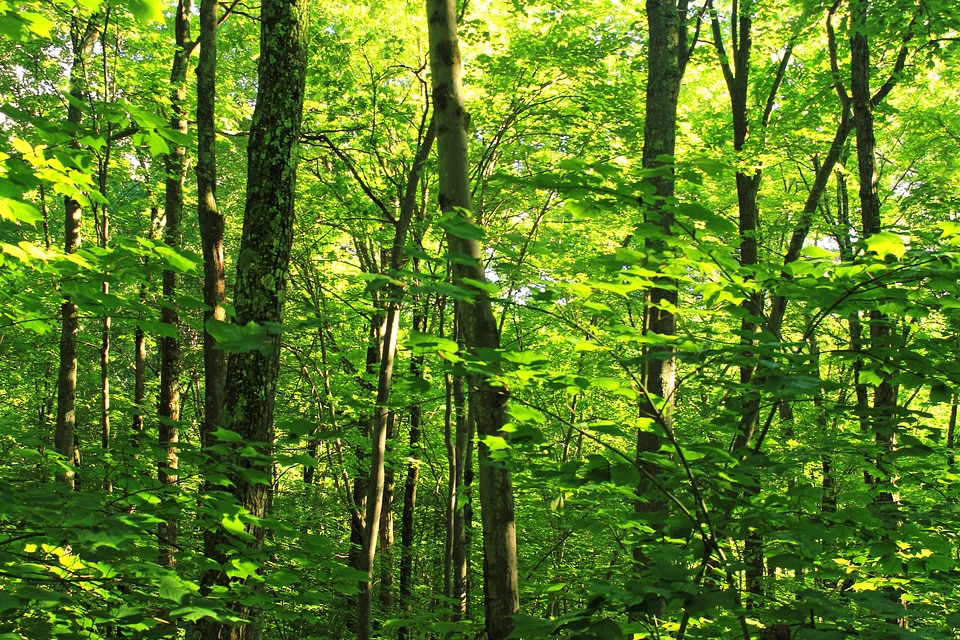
365, 469
885, 394
168, 434
460, 501
951, 432
883, 417
377, 483
666, 60
387, 534
450, 508
211, 224
103, 239
407, 518
262, 269
83, 37
140, 351
477, 323
211, 221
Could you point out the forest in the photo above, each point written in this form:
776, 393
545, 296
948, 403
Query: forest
426, 319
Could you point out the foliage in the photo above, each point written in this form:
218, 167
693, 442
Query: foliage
858, 539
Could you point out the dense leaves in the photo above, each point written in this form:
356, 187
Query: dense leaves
806, 485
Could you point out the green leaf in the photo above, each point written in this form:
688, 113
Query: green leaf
225, 435
233, 338
234, 525
868, 376
886, 243
172, 588
457, 225
941, 393
482, 285
18, 211
423, 343
146, 11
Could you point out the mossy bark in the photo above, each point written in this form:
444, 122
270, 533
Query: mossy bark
262, 267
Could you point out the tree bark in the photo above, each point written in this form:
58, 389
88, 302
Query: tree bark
169, 410
211, 225
262, 269
666, 60
407, 518
885, 394
476, 320
883, 417
377, 484
211, 221
83, 36
140, 351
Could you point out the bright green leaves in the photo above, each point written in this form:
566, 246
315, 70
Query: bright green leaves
19, 211
146, 11
886, 243
20, 25
422, 344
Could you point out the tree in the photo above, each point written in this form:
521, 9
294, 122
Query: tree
488, 398
777, 328
176, 167
84, 33
261, 281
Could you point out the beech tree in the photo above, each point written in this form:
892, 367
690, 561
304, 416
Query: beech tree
475, 320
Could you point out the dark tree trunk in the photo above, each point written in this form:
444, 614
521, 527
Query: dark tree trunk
262, 268
140, 351
407, 517
169, 410
211, 225
211, 221
83, 36
666, 59
883, 417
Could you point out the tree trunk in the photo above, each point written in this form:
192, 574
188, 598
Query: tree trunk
211, 225
169, 410
262, 268
83, 36
883, 417
460, 501
387, 534
666, 55
377, 483
140, 352
407, 518
211, 221
885, 394
476, 320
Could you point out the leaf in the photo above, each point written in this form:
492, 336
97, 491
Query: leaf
146, 11
234, 525
233, 338
868, 376
457, 225
523, 413
225, 435
18, 211
172, 589
941, 393
886, 243
482, 285
7, 602
423, 343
